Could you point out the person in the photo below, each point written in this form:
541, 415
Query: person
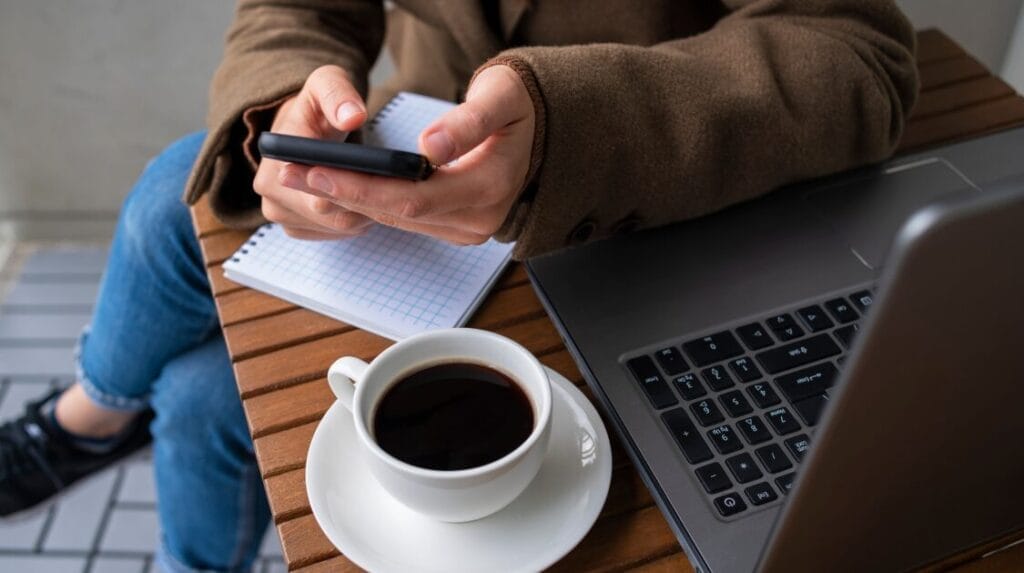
577, 122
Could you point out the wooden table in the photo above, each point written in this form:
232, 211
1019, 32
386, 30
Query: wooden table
281, 354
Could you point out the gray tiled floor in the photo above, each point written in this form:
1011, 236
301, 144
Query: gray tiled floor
107, 524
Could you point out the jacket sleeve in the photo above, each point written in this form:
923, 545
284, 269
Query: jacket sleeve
775, 92
272, 47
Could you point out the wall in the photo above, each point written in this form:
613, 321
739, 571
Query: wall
91, 90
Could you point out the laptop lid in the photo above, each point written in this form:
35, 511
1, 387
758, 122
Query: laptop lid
919, 454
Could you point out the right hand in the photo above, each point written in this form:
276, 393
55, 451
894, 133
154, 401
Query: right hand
327, 107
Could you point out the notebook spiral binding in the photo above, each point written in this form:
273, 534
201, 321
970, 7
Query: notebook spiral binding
384, 111
252, 242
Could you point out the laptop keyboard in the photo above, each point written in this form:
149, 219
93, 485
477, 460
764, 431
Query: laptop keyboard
741, 403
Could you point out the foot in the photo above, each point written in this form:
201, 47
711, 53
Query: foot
38, 459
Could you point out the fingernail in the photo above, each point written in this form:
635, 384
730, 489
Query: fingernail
320, 182
439, 146
347, 111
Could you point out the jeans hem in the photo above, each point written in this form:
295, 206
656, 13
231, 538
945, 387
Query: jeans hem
167, 563
98, 396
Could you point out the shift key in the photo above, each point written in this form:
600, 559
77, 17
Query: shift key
798, 353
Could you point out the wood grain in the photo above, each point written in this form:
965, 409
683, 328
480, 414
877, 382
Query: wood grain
281, 353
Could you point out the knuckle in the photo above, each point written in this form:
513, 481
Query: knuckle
387, 219
475, 119
345, 221
321, 206
412, 207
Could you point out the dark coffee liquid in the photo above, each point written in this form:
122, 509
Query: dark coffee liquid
452, 417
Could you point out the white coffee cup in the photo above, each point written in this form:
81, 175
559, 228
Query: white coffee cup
458, 495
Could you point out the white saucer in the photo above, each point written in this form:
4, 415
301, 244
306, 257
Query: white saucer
543, 524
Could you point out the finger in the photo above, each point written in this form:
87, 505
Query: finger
307, 235
491, 104
336, 97
444, 192
313, 213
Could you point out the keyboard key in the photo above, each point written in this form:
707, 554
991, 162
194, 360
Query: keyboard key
717, 378
761, 493
650, 380
763, 395
773, 458
755, 336
808, 382
785, 482
687, 436
794, 354
725, 440
783, 421
713, 478
745, 369
714, 348
743, 468
810, 408
706, 412
735, 403
689, 387
754, 430
730, 504
841, 310
798, 446
671, 361
862, 300
814, 318
846, 334
785, 327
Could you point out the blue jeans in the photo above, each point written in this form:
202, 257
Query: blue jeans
155, 341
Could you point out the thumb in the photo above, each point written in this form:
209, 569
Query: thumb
491, 104
338, 100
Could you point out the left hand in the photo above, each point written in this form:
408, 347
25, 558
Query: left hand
464, 202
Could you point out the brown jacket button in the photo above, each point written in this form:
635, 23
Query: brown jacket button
581, 232
626, 225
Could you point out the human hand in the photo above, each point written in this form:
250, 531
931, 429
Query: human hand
327, 107
464, 202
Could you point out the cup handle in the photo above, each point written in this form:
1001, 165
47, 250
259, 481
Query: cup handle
342, 377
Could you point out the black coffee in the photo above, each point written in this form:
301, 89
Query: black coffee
453, 416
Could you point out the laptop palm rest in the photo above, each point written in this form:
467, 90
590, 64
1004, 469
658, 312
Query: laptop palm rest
867, 212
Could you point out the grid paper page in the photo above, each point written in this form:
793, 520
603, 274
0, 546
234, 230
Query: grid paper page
388, 281
399, 124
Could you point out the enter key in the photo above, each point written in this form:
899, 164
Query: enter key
807, 381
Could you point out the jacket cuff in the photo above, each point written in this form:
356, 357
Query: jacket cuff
517, 215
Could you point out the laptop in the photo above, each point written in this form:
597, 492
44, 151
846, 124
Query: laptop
827, 378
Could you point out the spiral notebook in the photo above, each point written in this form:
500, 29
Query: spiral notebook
388, 281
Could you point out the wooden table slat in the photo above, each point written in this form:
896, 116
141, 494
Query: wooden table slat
964, 123
289, 500
303, 543
278, 453
960, 95
336, 564
242, 305
289, 407
220, 284
945, 72
298, 325
203, 221
281, 352
622, 541
217, 248
933, 45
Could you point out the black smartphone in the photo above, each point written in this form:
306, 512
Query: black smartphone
376, 160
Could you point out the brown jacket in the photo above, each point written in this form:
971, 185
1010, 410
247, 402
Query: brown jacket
650, 111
